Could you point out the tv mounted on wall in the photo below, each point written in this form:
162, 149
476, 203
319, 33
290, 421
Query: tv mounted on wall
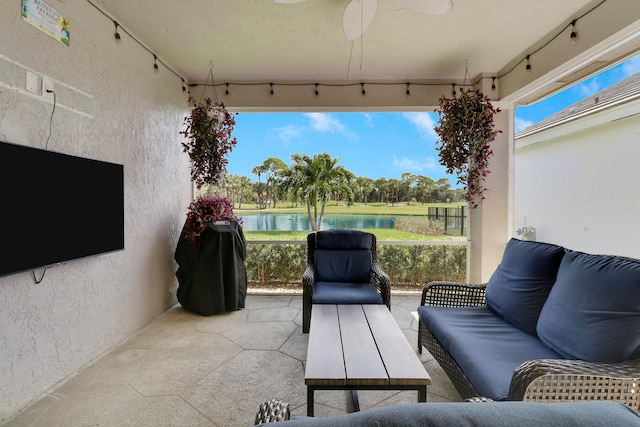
55, 208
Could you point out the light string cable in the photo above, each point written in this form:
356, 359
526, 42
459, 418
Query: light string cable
118, 38
571, 24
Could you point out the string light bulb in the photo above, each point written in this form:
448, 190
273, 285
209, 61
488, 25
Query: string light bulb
528, 67
156, 69
453, 89
408, 91
573, 35
116, 35
317, 93
364, 92
226, 91
493, 84
271, 90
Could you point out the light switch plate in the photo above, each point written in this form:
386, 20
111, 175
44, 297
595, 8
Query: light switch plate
32, 82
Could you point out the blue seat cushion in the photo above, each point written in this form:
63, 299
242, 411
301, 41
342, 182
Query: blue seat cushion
521, 284
593, 310
347, 265
345, 293
485, 346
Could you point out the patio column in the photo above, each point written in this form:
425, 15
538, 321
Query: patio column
489, 222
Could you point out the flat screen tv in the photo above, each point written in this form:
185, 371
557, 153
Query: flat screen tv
55, 208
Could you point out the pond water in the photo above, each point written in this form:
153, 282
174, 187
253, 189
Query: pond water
300, 222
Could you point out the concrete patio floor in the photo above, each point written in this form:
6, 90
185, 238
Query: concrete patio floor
184, 369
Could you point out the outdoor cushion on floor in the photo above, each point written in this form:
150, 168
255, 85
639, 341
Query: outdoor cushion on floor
519, 287
486, 347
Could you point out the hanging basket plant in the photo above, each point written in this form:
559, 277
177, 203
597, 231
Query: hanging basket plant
465, 131
208, 130
205, 210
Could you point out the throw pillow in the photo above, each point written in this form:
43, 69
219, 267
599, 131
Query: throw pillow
521, 284
593, 310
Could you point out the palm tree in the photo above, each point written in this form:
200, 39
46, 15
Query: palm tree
243, 183
259, 170
365, 187
393, 185
317, 177
274, 168
381, 185
407, 185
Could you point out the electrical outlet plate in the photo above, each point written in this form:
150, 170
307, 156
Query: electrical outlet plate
47, 84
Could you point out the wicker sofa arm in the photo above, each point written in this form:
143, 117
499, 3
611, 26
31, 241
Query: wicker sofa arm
380, 280
272, 411
557, 380
453, 294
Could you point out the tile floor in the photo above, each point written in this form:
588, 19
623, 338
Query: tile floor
184, 369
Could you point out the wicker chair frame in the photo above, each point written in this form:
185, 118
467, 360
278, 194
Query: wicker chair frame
543, 380
272, 411
379, 279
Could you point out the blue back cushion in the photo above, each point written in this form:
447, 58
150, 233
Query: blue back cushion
343, 256
343, 239
521, 284
593, 310
349, 265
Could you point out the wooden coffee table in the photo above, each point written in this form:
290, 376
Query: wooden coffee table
360, 347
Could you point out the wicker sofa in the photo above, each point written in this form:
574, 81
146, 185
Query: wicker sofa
550, 325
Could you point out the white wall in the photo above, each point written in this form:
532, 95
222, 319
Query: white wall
577, 183
111, 107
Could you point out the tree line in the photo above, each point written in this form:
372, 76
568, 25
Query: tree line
317, 180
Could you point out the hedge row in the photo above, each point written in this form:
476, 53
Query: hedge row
282, 265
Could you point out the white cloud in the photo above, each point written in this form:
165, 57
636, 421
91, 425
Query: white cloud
368, 117
288, 133
522, 124
589, 88
407, 164
323, 122
424, 124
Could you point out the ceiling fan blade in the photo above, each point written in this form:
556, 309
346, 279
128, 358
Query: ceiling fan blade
358, 15
426, 7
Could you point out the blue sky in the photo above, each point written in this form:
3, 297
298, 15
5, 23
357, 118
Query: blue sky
379, 145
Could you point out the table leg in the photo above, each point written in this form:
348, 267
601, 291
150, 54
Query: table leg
422, 394
356, 401
310, 392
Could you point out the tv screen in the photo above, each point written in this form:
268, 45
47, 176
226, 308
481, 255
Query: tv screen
56, 208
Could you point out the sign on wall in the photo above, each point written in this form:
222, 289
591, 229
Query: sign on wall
45, 18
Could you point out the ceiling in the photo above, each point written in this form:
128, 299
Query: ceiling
260, 41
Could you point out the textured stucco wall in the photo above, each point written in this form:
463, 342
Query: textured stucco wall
111, 106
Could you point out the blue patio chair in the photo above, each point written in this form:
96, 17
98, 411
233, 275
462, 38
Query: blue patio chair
342, 268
